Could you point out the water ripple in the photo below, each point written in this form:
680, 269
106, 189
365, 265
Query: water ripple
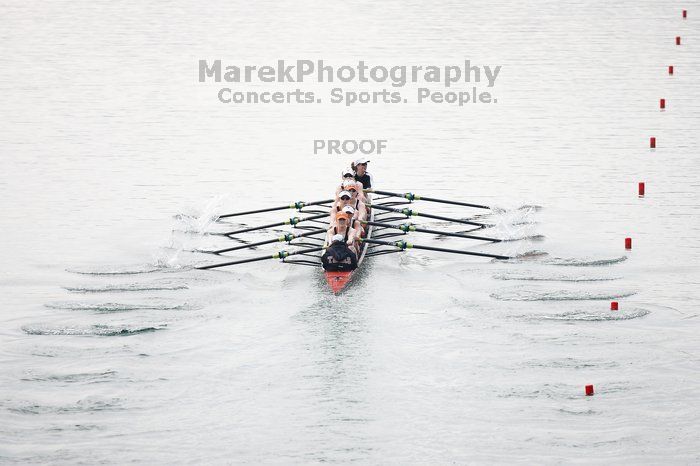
93, 330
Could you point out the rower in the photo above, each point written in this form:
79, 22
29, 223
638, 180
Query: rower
346, 198
359, 204
361, 174
355, 221
343, 227
348, 179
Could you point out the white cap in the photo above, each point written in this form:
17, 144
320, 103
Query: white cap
337, 238
348, 172
344, 193
348, 209
348, 183
361, 160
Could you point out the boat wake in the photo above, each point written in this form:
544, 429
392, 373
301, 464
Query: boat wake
115, 270
127, 287
92, 330
584, 262
522, 237
551, 277
86, 405
200, 220
528, 255
115, 307
83, 377
558, 295
520, 216
590, 316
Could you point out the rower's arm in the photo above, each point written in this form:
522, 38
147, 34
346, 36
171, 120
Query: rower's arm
329, 238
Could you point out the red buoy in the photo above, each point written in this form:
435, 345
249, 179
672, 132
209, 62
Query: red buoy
670, 69
641, 188
652, 142
685, 14
662, 104
589, 390
628, 243
678, 40
613, 306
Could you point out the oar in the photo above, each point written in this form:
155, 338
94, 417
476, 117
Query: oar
403, 245
287, 237
407, 227
279, 255
291, 221
295, 205
410, 213
416, 197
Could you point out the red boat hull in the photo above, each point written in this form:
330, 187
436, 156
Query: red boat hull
338, 280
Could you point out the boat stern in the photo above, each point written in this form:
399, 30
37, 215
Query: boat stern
337, 281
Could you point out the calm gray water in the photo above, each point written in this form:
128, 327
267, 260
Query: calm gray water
114, 158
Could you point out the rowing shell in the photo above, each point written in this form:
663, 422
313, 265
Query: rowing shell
337, 281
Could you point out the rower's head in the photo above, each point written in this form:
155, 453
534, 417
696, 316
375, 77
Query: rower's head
344, 196
348, 174
349, 210
342, 220
352, 190
360, 166
337, 238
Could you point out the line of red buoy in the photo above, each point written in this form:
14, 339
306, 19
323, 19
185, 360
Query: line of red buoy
641, 190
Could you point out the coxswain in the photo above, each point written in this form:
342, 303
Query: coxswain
338, 257
361, 173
